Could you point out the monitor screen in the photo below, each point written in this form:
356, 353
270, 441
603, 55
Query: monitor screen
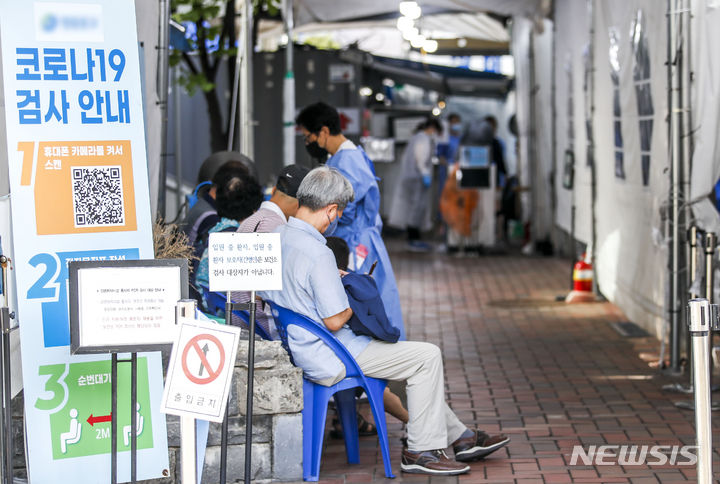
475, 156
474, 177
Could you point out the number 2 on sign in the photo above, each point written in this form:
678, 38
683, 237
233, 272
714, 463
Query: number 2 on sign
42, 289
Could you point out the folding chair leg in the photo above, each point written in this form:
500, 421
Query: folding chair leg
378, 408
345, 402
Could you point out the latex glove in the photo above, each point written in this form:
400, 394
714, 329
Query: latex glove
427, 180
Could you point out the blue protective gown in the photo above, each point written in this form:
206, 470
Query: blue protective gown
361, 226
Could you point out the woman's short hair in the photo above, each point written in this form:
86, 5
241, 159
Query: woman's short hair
324, 186
238, 194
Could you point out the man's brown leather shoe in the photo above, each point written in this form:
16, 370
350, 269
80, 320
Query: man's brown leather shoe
478, 445
434, 462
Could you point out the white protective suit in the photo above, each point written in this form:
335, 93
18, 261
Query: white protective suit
411, 196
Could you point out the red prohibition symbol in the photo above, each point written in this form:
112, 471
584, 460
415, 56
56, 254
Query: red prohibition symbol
212, 373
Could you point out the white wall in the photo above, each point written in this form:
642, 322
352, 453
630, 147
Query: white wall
572, 29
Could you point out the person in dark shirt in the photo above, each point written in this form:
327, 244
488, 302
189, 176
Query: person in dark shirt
497, 151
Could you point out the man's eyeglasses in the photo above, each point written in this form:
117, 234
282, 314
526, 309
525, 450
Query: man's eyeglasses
306, 138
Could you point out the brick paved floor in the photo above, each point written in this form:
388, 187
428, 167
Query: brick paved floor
549, 375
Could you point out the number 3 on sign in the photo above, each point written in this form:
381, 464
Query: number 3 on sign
54, 385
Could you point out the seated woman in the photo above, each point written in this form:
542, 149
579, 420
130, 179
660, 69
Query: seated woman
237, 198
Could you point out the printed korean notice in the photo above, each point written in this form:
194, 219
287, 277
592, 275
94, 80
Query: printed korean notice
244, 262
127, 306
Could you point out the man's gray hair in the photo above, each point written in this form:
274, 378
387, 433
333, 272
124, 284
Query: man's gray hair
324, 186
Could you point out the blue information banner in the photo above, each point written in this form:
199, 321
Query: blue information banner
79, 191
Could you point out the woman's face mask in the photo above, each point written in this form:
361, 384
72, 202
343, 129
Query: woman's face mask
456, 128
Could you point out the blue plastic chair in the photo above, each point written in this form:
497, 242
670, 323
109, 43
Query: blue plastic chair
216, 305
316, 398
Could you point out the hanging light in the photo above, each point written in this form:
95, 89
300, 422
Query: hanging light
380, 97
365, 91
417, 41
404, 23
410, 9
430, 46
410, 34
436, 111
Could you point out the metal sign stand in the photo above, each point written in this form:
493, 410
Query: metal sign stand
682, 387
188, 441
5, 389
710, 243
6, 441
133, 417
702, 320
250, 307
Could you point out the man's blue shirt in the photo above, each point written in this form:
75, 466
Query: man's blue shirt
312, 287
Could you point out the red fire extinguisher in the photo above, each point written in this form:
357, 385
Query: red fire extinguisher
583, 275
582, 282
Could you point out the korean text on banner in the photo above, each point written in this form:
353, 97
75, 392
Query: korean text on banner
79, 191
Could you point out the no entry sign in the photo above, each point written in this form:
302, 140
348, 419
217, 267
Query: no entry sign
200, 371
194, 351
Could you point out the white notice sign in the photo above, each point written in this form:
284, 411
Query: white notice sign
128, 305
201, 370
244, 262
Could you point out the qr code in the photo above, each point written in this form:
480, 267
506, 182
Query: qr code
98, 196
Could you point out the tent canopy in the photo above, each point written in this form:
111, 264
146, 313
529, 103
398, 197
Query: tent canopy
324, 11
371, 25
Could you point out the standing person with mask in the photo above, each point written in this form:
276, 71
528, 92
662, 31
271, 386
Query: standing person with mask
411, 196
360, 225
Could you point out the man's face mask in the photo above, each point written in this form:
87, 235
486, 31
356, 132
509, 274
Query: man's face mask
315, 151
333, 225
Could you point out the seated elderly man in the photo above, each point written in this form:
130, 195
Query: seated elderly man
312, 286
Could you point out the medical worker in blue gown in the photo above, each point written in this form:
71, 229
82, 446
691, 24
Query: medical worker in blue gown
360, 225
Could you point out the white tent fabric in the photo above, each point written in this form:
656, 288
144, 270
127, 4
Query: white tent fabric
311, 11
631, 256
382, 37
521, 45
542, 157
471, 25
532, 51
572, 30
706, 106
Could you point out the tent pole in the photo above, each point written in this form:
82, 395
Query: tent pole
234, 104
591, 145
532, 145
162, 95
688, 127
178, 143
676, 186
553, 136
246, 83
288, 87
